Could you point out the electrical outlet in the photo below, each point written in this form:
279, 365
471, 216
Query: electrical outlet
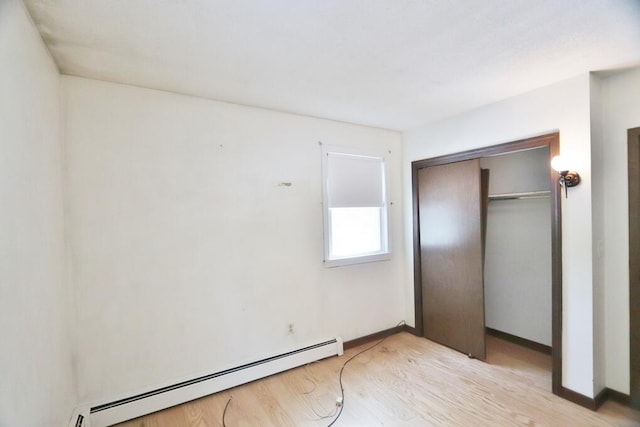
339, 401
291, 328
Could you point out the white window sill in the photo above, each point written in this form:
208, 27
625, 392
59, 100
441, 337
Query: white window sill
338, 262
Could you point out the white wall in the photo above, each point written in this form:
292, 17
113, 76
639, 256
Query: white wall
620, 111
36, 380
188, 256
518, 172
517, 279
564, 107
597, 212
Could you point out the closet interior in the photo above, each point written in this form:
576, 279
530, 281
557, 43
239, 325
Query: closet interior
517, 266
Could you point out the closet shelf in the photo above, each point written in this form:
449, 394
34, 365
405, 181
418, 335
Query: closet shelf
524, 195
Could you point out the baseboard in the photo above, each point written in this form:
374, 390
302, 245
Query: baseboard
378, 336
616, 396
542, 348
128, 407
595, 403
613, 395
600, 398
578, 399
411, 330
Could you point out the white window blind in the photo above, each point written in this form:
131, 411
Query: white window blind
355, 207
355, 181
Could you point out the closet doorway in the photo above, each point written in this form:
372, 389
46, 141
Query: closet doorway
517, 268
545, 147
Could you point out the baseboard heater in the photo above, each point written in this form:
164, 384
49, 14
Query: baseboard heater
127, 408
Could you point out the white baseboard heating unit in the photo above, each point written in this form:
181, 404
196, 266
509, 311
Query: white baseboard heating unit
127, 408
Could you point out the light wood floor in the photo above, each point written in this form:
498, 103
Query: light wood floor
405, 381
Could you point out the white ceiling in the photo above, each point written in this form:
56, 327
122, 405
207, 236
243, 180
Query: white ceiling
394, 64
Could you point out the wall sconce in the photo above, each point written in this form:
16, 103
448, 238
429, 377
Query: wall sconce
568, 178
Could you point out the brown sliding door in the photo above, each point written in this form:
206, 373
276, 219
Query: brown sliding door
451, 213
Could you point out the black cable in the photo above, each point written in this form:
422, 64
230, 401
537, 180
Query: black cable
224, 413
345, 364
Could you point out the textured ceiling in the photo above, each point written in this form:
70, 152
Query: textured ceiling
394, 64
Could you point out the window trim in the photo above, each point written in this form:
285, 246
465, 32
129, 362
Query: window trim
384, 232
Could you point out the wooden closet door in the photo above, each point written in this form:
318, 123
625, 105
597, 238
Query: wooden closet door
451, 251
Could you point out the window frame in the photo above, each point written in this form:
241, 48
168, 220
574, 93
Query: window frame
385, 253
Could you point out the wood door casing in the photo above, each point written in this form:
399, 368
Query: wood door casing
484, 200
451, 256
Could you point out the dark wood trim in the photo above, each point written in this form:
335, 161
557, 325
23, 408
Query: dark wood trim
633, 163
411, 330
552, 141
601, 398
519, 341
374, 336
595, 403
508, 147
379, 335
417, 262
556, 270
578, 398
616, 396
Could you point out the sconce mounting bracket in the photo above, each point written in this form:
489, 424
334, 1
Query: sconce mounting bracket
570, 178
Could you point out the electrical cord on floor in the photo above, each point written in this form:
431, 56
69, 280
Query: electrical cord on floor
339, 407
309, 379
314, 385
324, 417
342, 370
224, 413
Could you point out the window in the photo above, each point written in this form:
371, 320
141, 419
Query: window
355, 206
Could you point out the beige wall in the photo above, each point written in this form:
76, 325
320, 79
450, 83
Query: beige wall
37, 385
620, 111
188, 256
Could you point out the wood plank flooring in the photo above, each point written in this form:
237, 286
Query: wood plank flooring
405, 381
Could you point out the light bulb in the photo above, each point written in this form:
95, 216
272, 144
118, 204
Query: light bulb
559, 164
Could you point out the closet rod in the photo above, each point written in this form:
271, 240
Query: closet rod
523, 195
